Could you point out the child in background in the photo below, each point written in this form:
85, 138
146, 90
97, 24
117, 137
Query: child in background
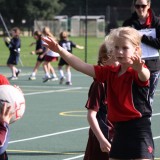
101, 130
14, 46
67, 45
50, 56
38, 51
127, 94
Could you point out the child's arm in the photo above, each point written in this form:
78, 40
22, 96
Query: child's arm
33, 43
104, 143
79, 47
38, 51
71, 59
138, 65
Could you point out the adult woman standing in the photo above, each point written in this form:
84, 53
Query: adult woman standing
144, 18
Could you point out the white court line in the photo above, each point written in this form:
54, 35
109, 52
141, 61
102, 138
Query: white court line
52, 91
156, 114
156, 137
74, 157
48, 135
48, 87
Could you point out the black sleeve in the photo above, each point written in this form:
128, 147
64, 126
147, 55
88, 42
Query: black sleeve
153, 42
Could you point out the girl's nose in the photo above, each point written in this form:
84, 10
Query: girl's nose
120, 51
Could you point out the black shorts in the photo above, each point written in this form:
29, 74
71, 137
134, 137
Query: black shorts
40, 59
13, 59
133, 140
62, 62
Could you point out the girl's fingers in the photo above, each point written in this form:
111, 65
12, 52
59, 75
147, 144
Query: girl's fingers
8, 109
4, 107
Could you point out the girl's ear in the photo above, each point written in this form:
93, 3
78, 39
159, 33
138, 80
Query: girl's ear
149, 5
136, 50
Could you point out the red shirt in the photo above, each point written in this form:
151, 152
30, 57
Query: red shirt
3, 80
127, 96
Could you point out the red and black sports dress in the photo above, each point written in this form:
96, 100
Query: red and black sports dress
97, 102
130, 110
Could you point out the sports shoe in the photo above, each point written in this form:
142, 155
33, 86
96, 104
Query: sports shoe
69, 83
46, 79
62, 80
18, 72
32, 78
13, 78
53, 78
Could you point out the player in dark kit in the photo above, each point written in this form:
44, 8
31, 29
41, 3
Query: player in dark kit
39, 50
14, 46
67, 45
101, 129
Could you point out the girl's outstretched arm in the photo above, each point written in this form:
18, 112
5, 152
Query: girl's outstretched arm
72, 60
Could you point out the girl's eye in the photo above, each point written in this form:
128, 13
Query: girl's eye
125, 48
116, 47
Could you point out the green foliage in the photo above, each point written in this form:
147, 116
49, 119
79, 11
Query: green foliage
29, 9
43, 9
29, 60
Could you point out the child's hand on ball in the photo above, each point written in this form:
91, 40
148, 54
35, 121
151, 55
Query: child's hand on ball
6, 114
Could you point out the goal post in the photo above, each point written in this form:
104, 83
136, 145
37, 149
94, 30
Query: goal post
96, 26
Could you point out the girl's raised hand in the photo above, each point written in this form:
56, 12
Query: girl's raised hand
137, 63
51, 43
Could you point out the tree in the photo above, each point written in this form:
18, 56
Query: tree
43, 9
29, 10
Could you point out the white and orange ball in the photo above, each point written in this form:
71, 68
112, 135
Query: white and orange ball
13, 97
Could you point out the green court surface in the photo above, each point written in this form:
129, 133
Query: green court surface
54, 126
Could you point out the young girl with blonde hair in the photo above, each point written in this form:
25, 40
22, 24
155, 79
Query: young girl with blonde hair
49, 56
127, 94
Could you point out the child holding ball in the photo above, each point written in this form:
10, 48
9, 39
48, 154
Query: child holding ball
5, 116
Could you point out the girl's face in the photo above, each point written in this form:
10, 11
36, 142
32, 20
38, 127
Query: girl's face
13, 33
124, 50
141, 8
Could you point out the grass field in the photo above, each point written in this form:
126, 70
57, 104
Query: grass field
29, 60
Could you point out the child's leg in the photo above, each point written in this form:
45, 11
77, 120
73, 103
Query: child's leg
51, 69
61, 71
62, 77
35, 69
46, 68
68, 75
13, 69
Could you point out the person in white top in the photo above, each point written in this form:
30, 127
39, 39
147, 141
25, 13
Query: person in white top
49, 56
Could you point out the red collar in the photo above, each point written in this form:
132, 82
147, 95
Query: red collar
149, 19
